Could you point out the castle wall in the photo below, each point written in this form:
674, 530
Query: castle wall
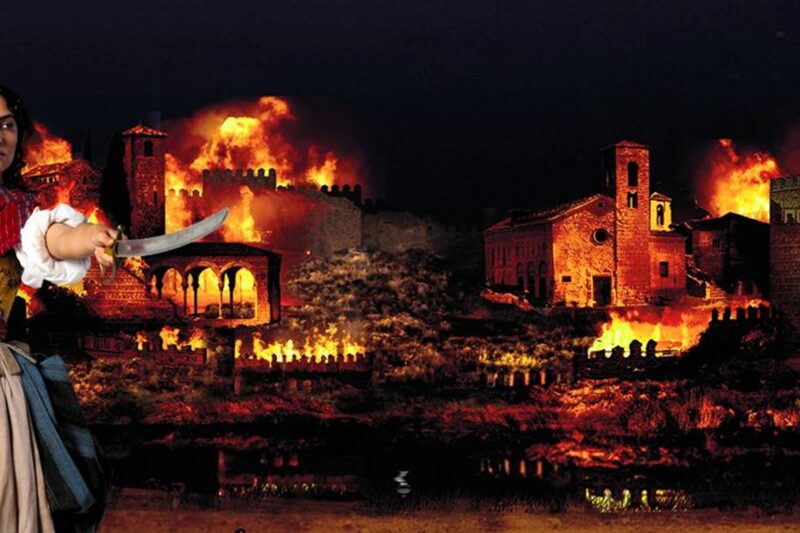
784, 247
578, 257
398, 231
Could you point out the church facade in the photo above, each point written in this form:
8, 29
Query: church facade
612, 248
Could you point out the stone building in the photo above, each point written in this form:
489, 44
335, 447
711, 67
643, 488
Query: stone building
75, 182
784, 248
731, 250
144, 163
612, 248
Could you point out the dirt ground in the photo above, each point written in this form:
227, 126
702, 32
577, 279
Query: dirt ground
301, 516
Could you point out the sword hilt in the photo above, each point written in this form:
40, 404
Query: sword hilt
112, 251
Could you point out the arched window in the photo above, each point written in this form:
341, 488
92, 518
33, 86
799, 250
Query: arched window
659, 215
633, 200
633, 174
148, 148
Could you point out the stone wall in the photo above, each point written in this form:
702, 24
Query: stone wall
579, 256
784, 246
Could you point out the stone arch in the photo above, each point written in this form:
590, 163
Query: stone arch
239, 297
660, 215
205, 287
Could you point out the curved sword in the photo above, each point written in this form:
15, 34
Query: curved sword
161, 243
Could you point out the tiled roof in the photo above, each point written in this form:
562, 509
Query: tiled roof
56, 168
144, 130
661, 197
549, 214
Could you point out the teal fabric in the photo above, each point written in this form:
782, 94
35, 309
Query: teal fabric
74, 476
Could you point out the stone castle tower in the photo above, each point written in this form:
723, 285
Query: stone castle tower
784, 250
626, 178
145, 150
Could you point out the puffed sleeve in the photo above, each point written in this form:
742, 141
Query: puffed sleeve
37, 263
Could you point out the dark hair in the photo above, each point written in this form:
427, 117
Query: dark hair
12, 177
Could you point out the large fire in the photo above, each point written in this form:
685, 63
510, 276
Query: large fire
738, 182
44, 148
170, 336
678, 328
247, 135
319, 344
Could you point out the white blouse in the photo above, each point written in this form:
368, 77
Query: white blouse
37, 263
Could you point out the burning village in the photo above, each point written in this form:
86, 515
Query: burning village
607, 352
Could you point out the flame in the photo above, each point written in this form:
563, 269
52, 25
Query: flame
64, 194
137, 265
245, 135
738, 182
141, 338
675, 328
97, 216
44, 148
27, 293
170, 336
240, 225
320, 344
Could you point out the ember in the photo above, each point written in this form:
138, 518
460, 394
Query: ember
737, 182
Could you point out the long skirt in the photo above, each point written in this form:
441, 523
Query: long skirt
23, 500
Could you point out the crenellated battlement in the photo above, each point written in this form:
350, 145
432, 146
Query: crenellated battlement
334, 363
214, 179
152, 348
786, 183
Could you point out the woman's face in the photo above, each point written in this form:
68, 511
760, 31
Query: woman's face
8, 136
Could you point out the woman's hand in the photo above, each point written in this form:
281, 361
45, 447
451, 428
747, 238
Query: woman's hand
66, 242
103, 237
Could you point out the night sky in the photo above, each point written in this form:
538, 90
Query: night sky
465, 104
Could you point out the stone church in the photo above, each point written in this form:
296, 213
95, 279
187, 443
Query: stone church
612, 248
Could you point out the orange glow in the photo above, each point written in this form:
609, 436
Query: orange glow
319, 344
63, 194
672, 329
44, 148
170, 336
140, 340
245, 135
96, 216
240, 225
738, 182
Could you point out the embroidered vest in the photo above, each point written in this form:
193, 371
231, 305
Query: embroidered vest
10, 276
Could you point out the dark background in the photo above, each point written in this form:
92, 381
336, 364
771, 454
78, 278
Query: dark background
458, 105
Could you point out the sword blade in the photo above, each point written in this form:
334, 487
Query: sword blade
171, 241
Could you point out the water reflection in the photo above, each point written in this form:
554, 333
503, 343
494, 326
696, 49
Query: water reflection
383, 474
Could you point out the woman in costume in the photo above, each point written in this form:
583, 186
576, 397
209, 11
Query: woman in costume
35, 245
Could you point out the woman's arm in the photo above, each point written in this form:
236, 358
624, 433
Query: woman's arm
67, 242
